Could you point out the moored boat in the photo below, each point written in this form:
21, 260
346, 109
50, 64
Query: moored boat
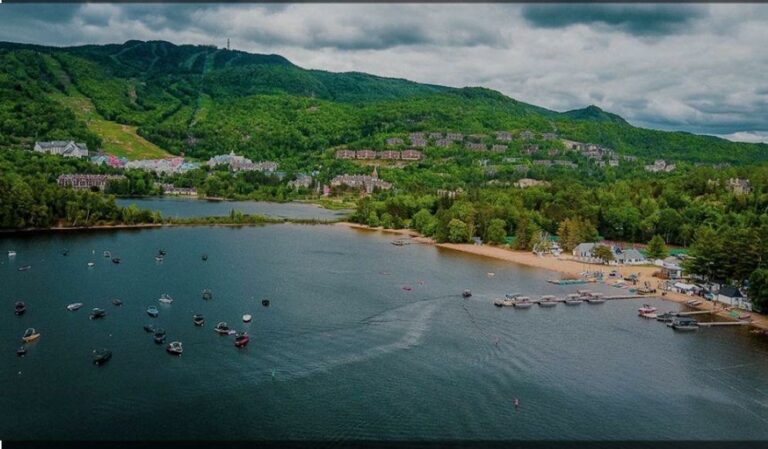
107, 254
30, 335
11, 253
646, 309
666, 317
97, 313
115, 260
117, 302
21, 352
684, 324
594, 298
25, 268
159, 336
207, 294
198, 319
91, 264
693, 302
74, 306
161, 252
265, 302
522, 302
222, 328
149, 328
466, 294
247, 318
20, 308
573, 299
101, 356
204, 257
503, 302
547, 301
152, 311
158, 258
165, 298
175, 348
241, 339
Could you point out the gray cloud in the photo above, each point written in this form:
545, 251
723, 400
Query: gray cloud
698, 68
635, 19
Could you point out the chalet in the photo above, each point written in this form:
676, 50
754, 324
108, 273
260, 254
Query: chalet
443, 143
671, 270
392, 155
84, 181
365, 154
503, 136
419, 143
476, 146
345, 154
412, 155
524, 183
530, 149
416, 136
435, 135
66, 148
573, 145
732, 296
739, 186
526, 135
499, 148
629, 256
394, 141
613, 162
302, 181
455, 136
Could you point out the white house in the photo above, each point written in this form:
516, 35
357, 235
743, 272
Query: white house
583, 252
732, 296
66, 148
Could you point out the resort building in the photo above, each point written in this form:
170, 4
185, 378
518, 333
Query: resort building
476, 146
499, 148
583, 253
504, 136
524, 183
66, 148
731, 296
412, 155
302, 181
170, 189
660, 165
394, 141
345, 154
392, 155
84, 181
739, 186
363, 182
365, 154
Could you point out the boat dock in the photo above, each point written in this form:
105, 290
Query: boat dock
697, 312
725, 323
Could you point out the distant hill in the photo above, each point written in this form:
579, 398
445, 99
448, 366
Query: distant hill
203, 100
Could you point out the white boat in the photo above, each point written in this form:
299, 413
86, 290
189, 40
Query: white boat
547, 301
74, 306
91, 264
247, 318
11, 253
522, 302
573, 300
165, 298
646, 309
107, 254
175, 348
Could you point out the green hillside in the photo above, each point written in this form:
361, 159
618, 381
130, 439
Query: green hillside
201, 100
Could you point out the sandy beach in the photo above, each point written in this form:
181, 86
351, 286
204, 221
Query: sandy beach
564, 265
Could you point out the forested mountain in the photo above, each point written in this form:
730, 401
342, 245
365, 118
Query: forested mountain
201, 100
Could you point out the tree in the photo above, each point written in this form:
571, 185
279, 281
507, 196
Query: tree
373, 219
656, 249
603, 253
497, 231
758, 289
424, 222
458, 231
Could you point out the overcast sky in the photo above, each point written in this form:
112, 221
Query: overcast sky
696, 67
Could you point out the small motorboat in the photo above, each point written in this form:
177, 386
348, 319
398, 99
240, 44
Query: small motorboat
25, 268
101, 356
466, 294
198, 319
165, 298
149, 328
646, 309
11, 253
117, 302
159, 336
65, 252
222, 328
573, 300
161, 252
247, 318
205, 257
407, 288
693, 303
522, 302
595, 298
115, 260
175, 348
97, 313
241, 339
666, 317
207, 294
91, 264
547, 301
20, 308
152, 311
21, 352
158, 258
504, 302
265, 302
745, 317
30, 335
684, 324
649, 315
512, 295
74, 306
107, 254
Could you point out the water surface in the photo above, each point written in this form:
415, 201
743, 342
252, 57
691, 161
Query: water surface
344, 352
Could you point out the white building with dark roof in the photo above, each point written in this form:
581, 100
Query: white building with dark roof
66, 148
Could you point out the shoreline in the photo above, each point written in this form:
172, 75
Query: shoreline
566, 266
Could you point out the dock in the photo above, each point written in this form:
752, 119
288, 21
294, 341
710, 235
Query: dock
696, 312
725, 323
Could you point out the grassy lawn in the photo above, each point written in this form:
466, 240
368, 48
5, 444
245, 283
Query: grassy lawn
117, 139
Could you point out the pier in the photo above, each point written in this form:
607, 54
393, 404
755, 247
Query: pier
725, 323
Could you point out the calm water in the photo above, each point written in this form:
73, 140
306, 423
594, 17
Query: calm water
344, 352
185, 207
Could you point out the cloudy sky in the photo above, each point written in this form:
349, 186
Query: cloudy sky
696, 67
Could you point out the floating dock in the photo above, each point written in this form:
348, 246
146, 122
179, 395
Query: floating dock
725, 323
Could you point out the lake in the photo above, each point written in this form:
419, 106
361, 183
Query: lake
344, 351
186, 208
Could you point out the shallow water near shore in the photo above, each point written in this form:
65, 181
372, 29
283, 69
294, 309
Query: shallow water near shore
344, 351
188, 208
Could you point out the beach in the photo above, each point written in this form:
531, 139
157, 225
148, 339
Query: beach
565, 265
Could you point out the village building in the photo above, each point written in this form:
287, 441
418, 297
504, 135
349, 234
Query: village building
660, 165
530, 149
573, 145
526, 135
365, 154
170, 189
613, 162
630, 256
629, 158
109, 160
394, 141
739, 186
511, 160
87, 181
477, 137
731, 296
499, 148
66, 148
455, 136
302, 181
443, 143
435, 135
524, 183
416, 136
391, 155
544, 163
521, 169
362, 182
412, 155
476, 146
549, 136
345, 154
450, 194
563, 163
504, 136
419, 143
